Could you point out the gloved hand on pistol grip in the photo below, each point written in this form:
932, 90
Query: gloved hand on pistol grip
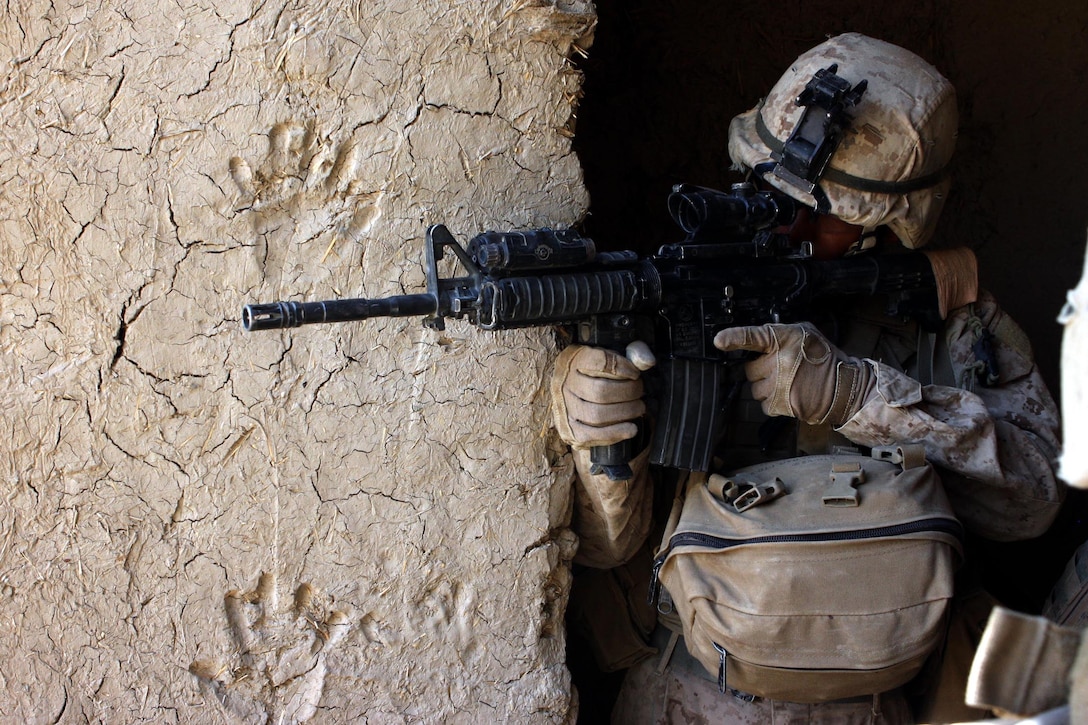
799, 373
596, 397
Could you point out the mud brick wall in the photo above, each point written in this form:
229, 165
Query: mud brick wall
364, 521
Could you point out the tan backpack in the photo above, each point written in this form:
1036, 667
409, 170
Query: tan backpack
814, 578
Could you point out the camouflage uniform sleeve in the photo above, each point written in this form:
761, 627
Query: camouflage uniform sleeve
612, 518
997, 445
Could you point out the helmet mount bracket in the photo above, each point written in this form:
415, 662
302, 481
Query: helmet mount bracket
805, 155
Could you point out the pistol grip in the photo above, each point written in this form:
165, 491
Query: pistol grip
614, 461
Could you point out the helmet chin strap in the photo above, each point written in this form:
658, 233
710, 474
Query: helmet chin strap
865, 242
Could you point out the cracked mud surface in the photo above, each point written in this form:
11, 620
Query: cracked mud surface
338, 524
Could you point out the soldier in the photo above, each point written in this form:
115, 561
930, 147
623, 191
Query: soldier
972, 396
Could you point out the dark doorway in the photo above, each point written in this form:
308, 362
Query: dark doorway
664, 78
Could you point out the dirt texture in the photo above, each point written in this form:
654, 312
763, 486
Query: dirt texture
363, 522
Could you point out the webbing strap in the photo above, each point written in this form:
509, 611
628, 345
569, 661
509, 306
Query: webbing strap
874, 186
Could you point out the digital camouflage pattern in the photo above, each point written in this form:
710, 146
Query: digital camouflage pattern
995, 447
986, 419
904, 129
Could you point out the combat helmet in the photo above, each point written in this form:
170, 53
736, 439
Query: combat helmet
889, 165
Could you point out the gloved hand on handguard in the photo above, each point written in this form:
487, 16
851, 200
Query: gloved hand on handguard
799, 373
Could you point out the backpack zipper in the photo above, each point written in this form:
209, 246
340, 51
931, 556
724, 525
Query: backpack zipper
722, 655
940, 525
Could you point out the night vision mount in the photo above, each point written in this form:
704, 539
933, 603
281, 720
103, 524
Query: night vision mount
804, 157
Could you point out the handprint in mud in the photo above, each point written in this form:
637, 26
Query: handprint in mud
276, 671
306, 189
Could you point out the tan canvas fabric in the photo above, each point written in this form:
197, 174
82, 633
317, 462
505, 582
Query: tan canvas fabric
1023, 664
611, 518
938, 693
792, 599
956, 272
677, 690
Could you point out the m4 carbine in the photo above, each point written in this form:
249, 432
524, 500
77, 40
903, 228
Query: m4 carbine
730, 270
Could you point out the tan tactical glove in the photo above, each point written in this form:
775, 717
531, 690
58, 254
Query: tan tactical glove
596, 397
799, 373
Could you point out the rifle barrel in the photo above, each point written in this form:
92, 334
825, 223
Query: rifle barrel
279, 315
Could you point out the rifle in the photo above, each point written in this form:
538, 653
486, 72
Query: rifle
730, 270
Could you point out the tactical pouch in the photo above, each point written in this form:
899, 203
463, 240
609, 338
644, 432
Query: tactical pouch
814, 578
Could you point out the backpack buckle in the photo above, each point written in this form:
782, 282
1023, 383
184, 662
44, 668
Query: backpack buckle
758, 494
845, 478
744, 495
908, 455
